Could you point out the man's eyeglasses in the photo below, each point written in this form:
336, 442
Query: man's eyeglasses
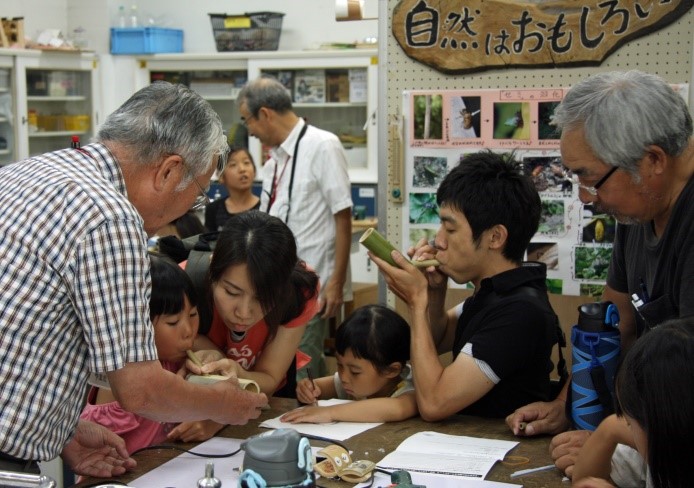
245, 120
202, 200
593, 190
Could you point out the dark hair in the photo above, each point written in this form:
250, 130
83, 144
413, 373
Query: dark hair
655, 387
489, 189
235, 149
266, 92
188, 225
170, 285
377, 334
267, 247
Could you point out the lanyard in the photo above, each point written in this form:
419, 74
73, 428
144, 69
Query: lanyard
276, 180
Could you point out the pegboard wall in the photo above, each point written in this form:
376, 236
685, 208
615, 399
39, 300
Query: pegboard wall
666, 52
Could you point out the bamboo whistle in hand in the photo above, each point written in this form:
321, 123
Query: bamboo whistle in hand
378, 245
193, 357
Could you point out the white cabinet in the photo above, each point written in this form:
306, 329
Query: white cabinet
59, 95
335, 91
347, 106
7, 111
216, 77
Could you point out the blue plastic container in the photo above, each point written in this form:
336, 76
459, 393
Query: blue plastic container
146, 40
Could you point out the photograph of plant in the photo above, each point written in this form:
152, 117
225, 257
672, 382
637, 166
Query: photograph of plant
545, 129
429, 171
551, 217
591, 290
554, 285
591, 263
597, 228
428, 117
417, 234
423, 208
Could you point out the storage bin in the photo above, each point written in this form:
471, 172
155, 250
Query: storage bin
146, 40
253, 31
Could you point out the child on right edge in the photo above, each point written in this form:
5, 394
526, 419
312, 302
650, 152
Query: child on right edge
372, 350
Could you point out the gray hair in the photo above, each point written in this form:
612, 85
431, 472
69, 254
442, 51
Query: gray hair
622, 113
266, 92
163, 119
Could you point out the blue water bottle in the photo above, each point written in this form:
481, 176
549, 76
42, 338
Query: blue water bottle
596, 347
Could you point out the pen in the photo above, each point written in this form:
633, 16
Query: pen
313, 383
531, 470
644, 291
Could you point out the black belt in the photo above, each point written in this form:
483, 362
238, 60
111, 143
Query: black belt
24, 465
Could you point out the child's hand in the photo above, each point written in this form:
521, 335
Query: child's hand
224, 367
313, 415
204, 356
199, 430
306, 393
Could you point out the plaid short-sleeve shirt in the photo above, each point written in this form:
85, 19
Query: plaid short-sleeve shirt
74, 292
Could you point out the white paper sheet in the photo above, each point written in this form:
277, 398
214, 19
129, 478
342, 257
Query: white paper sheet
431, 452
185, 470
439, 481
336, 430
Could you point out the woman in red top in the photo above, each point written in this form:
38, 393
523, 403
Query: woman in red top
263, 297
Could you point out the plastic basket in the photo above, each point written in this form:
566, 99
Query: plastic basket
252, 31
146, 40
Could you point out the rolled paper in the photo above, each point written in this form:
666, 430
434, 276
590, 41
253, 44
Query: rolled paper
380, 246
207, 379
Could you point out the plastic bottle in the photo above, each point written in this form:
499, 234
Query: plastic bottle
134, 21
121, 21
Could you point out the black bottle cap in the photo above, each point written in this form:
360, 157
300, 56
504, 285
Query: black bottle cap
591, 316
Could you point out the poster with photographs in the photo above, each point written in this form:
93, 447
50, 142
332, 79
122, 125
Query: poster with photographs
441, 127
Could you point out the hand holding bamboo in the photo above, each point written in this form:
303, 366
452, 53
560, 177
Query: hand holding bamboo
378, 245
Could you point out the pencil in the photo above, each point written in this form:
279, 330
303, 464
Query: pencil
531, 470
522, 425
313, 383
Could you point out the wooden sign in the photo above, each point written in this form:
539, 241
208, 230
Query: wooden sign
459, 36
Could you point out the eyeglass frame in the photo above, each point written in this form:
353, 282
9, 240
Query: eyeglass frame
593, 190
245, 120
203, 199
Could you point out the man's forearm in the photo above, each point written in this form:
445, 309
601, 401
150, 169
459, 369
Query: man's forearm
426, 367
343, 242
438, 318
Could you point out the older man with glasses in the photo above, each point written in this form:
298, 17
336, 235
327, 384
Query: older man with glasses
75, 282
627, 139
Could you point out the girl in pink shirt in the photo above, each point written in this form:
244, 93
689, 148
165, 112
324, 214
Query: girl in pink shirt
175, 319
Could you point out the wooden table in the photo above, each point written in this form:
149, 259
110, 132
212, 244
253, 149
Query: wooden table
374, 444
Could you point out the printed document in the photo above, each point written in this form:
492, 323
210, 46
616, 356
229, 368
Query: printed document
335, 430
431, 452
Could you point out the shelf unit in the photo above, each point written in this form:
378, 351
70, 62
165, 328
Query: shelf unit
61, 91
341, 98
218, 77
7, 110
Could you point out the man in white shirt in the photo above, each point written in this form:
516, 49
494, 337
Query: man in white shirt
305, 183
